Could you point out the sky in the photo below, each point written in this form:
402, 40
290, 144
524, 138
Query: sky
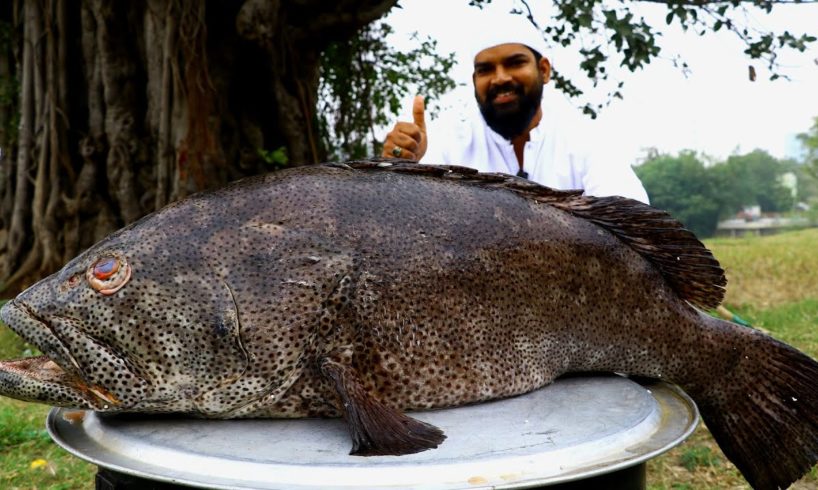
714, 109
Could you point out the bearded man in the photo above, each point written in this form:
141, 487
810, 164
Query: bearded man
512, 133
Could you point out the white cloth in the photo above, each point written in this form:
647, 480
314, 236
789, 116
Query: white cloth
502, 28
551, 158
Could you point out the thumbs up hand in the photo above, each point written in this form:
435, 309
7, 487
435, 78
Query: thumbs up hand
408, 139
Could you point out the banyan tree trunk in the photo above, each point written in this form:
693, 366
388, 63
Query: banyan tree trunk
111, 109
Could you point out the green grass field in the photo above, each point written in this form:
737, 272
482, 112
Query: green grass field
772, 284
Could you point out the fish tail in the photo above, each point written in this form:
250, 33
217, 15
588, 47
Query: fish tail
764, 412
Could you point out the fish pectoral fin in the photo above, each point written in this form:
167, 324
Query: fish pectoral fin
377, 430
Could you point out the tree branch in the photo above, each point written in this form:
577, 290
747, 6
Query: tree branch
702, 3
21, 208
164, 150
118, 73
345, 18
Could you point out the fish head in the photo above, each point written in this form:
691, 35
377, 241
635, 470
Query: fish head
138, 323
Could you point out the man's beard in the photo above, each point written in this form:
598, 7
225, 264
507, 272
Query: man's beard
514, 120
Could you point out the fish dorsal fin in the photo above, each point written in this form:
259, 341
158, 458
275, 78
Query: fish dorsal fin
686, 264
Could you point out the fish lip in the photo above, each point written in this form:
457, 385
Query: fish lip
36, 319
96, 397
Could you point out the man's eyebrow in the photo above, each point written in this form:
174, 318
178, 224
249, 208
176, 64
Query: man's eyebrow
517, 57
513, 58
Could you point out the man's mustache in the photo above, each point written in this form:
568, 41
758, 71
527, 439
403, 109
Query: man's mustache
515, 88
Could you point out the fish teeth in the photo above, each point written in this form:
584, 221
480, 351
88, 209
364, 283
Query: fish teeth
103, 395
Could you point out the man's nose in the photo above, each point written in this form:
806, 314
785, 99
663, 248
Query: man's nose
501, 76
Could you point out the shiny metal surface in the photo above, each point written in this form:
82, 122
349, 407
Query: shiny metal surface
576, 428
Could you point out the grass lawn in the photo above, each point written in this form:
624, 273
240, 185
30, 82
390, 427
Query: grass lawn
28, 458
772, 284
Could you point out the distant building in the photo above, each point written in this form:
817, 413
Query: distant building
749, 213
750, 221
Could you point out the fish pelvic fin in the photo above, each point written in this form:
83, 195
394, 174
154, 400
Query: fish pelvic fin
764, 413
376, 429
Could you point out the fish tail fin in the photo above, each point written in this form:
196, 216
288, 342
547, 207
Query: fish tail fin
764, 413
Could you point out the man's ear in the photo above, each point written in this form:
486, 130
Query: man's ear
545, 69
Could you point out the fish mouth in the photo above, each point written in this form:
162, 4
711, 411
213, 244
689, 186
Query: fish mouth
54, 378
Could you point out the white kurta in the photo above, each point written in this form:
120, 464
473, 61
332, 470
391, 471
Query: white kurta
551, 158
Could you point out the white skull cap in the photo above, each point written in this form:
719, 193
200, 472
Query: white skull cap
505, 28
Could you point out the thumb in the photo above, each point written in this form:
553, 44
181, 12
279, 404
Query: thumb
418, 108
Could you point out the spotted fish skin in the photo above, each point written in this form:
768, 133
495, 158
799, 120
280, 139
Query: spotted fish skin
369, 288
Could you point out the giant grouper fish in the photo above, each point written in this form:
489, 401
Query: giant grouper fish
370, 288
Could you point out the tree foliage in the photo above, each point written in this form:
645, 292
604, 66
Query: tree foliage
363, 81
683, 186
593, 27
809, 142
753, 179
699, 195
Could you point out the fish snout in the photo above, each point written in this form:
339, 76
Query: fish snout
24, 308
35, 329
17, 316
54, 378
6, 312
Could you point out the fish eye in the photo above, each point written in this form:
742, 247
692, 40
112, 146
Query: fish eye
108, 274
105, 268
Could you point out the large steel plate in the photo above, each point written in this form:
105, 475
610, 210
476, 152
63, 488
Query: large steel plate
576, 428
